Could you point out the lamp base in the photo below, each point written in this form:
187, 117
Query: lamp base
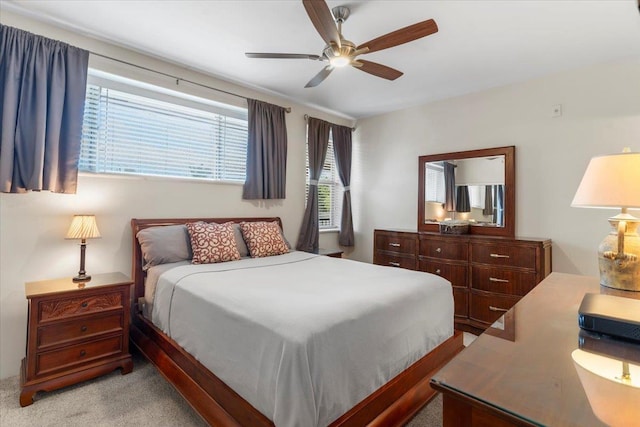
619, 255
81, 278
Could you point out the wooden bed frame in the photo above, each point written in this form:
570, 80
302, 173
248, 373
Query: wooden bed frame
394, 404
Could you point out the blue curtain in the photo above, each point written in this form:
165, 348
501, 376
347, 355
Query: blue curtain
266, 152
342, 149
42, 89
499, 212
462, 199
449, 187
318, 142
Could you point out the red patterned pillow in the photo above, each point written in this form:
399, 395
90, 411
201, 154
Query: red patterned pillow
263, 238
212, 243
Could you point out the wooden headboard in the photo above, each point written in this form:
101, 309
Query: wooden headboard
137, 274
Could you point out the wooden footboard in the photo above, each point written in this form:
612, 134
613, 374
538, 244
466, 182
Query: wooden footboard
393, 404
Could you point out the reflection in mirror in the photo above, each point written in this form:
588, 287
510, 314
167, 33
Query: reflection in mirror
466, 189
476, 187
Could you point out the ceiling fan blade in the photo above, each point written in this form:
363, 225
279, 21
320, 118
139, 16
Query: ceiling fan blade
322, 19
401, 36
378, 70
320, 76
282, 56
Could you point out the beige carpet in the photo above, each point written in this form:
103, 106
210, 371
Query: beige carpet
141, 398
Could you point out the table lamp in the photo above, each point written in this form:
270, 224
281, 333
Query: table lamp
612, 387
611, 182
83, 227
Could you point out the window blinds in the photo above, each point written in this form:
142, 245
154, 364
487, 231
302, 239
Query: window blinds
329, 191
125, 133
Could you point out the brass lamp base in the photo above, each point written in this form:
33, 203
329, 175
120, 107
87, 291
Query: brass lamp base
619, 254
84, 278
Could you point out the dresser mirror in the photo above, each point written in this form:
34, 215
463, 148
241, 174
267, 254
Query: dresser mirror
477, 186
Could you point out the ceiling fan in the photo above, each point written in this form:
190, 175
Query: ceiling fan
340, 52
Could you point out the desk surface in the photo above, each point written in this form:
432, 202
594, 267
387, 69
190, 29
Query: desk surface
524, 366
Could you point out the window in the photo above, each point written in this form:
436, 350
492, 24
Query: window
329, 191
139, 129
435, 174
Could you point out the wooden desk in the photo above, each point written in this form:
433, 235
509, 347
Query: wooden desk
523, 374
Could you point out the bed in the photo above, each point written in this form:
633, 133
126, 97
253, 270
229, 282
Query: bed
292, 339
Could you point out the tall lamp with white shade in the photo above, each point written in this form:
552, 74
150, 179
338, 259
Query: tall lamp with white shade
83, 227
613, 182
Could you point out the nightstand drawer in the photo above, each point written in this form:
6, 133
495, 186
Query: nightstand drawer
386, 242
487, 308
505, 255
502, 281
441, 249
77, 354
79, 329
69, 307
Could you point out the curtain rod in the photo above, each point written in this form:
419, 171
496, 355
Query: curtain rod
177, 79
306, 118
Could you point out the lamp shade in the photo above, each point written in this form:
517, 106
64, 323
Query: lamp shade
83, 227
610, 182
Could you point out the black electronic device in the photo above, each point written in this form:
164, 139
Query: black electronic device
610, 315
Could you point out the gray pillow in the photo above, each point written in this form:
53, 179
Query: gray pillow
240, 243
164, 244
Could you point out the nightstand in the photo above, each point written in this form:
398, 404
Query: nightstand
75, 332
334, 253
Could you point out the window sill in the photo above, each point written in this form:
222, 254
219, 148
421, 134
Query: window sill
157, 178
329, 230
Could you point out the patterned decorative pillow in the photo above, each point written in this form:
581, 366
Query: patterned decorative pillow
212, 243
263, 238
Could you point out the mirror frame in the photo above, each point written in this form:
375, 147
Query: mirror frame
509, 192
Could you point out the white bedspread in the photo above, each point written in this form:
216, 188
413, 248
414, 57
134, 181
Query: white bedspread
302, 337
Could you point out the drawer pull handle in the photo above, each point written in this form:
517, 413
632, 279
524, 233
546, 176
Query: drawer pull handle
492, 308
495, 279
395, 264
395, 245
83, 328
83, 353
438, 271
84, 304
438, 250
498, 256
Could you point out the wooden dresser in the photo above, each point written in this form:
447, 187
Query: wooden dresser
488, 274
75, 332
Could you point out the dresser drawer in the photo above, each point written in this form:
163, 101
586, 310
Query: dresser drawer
69, 307
443, 249
500, 280
487, 308
407, 262
503, 254
394, 243
455, 273
57, 333
77, 354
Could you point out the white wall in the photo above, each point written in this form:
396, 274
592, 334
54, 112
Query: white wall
33, 225
601, 115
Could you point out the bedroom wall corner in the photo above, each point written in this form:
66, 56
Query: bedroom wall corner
600, 115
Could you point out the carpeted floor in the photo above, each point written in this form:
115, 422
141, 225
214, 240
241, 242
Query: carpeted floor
141, 398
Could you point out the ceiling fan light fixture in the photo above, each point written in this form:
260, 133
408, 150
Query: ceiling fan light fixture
339, 61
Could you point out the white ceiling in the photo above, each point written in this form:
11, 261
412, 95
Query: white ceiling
480, 44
